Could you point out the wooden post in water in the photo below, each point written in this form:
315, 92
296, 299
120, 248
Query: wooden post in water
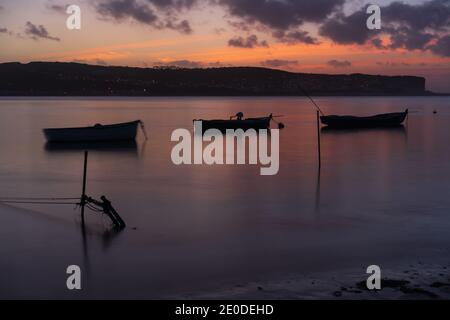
318, 140
83, 194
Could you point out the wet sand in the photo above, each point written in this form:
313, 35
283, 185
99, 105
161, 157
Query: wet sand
417, 281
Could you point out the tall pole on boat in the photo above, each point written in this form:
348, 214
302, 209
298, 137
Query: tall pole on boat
318, 139
83, 194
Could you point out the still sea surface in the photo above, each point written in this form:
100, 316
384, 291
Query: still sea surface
381, 197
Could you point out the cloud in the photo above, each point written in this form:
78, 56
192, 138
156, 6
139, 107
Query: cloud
38, 32
101, 62
249, 42
281, 14
98, 62
181, 64
402, 64
339, 64
189, 64
61, 9
347, 29
442, 46
432, 14
403, 37
159, 14
295, 37
173, 4
407, 26
218, 64
126, 9
183, 26
276, 63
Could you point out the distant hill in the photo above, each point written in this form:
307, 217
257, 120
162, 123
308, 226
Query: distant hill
75, 79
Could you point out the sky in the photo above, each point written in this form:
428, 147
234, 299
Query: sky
313, 36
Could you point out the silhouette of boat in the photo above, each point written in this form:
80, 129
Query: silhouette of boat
114, 132
239, 123
380, 120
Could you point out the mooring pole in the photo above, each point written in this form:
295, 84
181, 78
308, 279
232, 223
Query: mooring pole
83, 194
318, 139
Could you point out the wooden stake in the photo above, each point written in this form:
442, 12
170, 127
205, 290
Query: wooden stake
83, 194
318, 139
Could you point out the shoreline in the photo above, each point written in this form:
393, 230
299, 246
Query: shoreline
415, 281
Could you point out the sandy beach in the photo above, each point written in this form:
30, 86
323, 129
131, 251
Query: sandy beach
417, 281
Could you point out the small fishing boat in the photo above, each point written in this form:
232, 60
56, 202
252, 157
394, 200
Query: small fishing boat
113, 132
380, 120
238, 122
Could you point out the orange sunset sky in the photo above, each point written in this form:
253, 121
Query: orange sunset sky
316, 36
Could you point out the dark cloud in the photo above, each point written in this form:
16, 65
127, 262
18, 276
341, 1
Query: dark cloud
347, 29
248, 42
126, 9
159, 14
173, 4
276, 63
281, 14
433, 14
404, 37
339, 64
183, 26
294, 37
411, 27
442, 46
378, 43
38, 32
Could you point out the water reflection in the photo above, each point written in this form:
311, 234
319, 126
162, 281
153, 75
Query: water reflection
193, 218
106, 235
330, 130
126, 147
317, 198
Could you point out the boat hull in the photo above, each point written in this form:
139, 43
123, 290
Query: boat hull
223, 125
114, 132
380, 120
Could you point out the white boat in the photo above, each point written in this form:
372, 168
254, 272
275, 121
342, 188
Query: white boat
113, 132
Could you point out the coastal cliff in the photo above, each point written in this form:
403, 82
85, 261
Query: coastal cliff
75, 79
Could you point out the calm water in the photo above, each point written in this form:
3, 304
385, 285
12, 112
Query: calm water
382, 197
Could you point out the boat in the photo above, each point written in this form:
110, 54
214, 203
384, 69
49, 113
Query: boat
379, 120
113, 132
238, 123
